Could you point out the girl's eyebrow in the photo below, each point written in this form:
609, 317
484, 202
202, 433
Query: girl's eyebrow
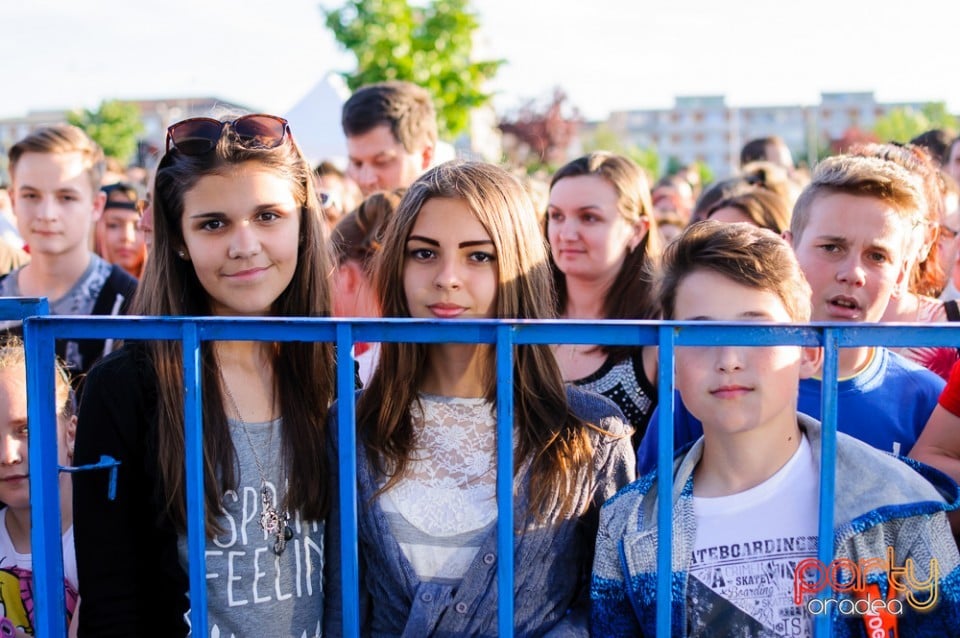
585, 207
463, 244
426, 240
258, 209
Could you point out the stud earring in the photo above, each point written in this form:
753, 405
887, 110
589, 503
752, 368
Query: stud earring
182, 255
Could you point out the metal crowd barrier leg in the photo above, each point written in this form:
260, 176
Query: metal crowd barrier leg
45, 535
505, 521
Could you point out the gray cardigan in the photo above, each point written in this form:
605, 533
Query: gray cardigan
552, 564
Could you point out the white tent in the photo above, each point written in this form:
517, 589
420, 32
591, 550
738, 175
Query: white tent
315, 121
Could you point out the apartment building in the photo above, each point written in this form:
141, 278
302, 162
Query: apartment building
706, 129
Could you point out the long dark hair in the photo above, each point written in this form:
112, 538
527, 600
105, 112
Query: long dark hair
303, 372
550, 436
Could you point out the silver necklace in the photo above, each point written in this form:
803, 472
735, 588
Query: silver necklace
273, 522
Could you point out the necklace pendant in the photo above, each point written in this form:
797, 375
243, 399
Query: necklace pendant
274, 523
270, 519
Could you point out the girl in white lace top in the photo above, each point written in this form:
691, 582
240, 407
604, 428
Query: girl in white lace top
464, 243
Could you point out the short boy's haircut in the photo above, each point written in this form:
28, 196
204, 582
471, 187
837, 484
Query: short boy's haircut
405, 107
862, 177
61, 139
755, 150
750, 256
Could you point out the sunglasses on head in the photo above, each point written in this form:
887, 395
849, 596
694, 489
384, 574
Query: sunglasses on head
199, 135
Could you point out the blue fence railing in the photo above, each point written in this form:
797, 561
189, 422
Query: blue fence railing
40, 332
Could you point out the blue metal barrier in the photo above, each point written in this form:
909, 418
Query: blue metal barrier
41, 331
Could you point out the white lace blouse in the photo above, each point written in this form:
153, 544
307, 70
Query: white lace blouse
446, 502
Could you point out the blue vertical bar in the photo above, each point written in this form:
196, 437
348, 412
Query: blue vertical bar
45, 535
505, 480
347, 436
823, 626
193, 435
665, 480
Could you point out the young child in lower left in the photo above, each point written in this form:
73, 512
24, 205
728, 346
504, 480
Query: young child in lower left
16, 561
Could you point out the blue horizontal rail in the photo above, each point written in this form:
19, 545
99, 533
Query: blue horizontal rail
41, 332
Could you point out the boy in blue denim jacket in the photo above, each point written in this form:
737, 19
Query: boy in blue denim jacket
745, 498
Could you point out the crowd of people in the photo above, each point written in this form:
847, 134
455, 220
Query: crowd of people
235, 221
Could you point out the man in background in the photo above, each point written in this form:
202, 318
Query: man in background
391, 131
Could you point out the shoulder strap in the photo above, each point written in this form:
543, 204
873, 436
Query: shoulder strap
118, 282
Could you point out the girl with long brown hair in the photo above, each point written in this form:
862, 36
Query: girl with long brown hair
465, 243
237, 233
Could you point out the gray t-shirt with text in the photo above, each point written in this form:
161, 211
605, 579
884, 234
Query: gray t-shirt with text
252, 592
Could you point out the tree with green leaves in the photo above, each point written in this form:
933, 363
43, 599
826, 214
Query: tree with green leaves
429, 45
903, 124
115, 126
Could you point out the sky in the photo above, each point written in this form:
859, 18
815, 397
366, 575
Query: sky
607, 55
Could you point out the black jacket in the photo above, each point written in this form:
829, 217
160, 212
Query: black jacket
131, 582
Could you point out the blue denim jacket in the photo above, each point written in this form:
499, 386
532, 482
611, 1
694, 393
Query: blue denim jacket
552, 564
881, 501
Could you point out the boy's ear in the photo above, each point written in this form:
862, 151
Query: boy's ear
99, 203
811, 360
788, 236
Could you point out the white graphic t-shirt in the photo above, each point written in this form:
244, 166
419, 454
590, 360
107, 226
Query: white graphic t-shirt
747, 549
